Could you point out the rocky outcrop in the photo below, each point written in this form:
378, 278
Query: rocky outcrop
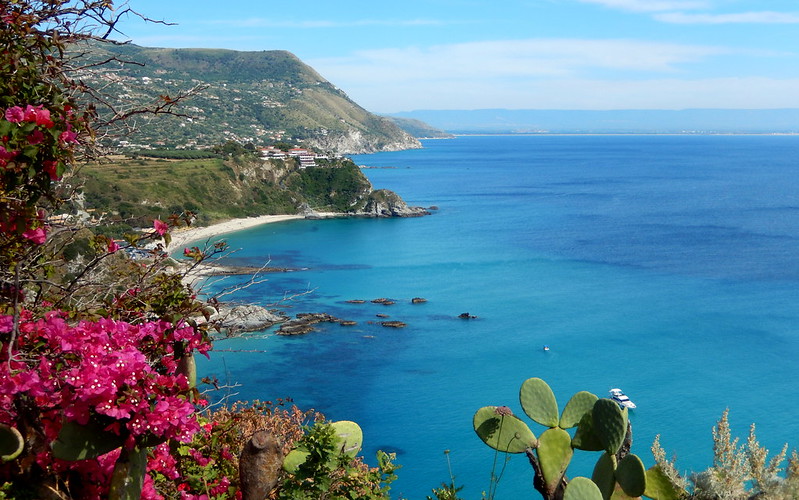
245, 318
304, 323
355, 141
385, 203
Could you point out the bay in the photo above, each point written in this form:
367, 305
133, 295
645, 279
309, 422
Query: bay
664, 265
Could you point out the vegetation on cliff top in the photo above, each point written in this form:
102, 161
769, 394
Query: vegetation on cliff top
250, 97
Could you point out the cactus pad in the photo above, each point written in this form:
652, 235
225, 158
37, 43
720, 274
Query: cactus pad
128, 476
294, 459
349, 437
605, 475
79, 442
577, 406
659, 487
585, 438
582, 488
610, 424
11, 443
538, 402
631, 475
554, 454
506, 433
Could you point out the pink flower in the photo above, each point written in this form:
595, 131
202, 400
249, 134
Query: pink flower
160, 226
38, 115
113, 246
15, 114
51, 167
6, 154
68, 137
38, 235
36, 137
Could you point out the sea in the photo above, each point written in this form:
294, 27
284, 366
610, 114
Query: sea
664, 265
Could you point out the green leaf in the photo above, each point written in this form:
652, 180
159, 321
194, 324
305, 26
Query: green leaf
538, 402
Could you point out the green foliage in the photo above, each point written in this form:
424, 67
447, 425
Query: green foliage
133, 192
258, 97
338, 189
325, 466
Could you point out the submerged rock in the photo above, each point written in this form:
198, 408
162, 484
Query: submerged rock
304, 323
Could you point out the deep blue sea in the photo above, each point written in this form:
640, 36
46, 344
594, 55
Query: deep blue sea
664, 265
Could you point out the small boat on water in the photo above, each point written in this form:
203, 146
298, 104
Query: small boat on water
546, 347
619, 397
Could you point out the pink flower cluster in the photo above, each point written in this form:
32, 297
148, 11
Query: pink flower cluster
31, 114
119, 373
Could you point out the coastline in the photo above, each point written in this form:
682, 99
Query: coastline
183, 236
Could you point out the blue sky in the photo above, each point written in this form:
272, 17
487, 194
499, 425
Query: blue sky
515, 54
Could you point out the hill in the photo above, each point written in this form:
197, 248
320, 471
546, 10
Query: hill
250, 97
131, 191
689, 121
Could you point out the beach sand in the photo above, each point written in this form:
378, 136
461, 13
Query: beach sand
183, 236
200, 235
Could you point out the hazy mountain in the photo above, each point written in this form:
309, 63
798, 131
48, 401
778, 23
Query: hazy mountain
250, 97
420, 129
688, 121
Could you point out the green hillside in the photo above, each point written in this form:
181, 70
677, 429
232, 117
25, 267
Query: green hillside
250, 97
136, 190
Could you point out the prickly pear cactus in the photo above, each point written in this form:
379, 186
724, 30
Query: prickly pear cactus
128, 476
554, 455
538, 402
601, 426
631, 475
79, 442
579, 404
349, 439
503, 431
660, 487
11, 443
582, 488
610, 424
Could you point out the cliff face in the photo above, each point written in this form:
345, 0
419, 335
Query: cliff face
355, 141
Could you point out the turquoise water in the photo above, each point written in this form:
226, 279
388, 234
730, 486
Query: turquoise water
664, 265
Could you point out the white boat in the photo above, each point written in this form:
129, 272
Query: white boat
618, 396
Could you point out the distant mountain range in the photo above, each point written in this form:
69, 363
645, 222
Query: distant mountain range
249, 97
689, 121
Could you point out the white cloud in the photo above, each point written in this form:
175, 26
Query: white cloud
765, 17
516, 59
650, 5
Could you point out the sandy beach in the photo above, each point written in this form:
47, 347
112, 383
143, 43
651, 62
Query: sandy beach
182, 237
